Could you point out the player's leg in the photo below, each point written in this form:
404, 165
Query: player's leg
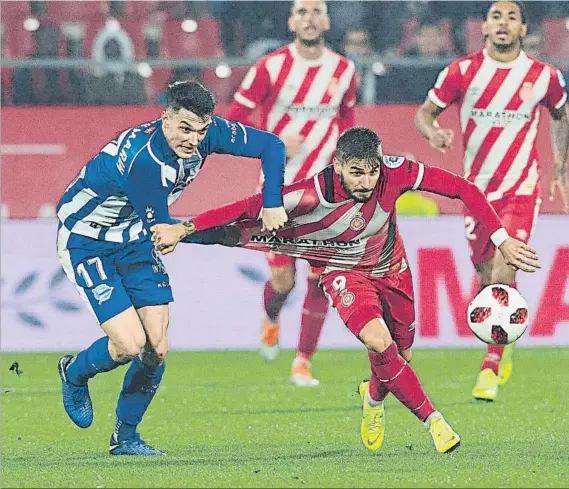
357, 300
314, 312
147, 284
140, 384
277, 289
99, 285
519, 216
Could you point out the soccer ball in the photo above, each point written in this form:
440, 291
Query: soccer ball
498, 315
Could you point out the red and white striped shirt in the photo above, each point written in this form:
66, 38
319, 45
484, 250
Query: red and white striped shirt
299, 96
334, 232
499, 116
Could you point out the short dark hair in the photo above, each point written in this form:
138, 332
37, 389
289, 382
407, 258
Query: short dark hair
190, 95
359, 143
516, 2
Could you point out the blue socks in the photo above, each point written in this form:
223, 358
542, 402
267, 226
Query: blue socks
140, 384
90, 362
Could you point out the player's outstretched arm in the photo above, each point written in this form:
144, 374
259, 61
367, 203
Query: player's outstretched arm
560, 146
166, 237
517, 255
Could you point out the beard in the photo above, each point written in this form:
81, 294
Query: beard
310, 42
357, 196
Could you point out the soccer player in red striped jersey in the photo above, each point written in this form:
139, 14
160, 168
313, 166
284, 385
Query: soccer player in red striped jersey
343, 222
306, 95
499, 92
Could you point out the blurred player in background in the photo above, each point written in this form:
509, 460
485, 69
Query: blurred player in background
104, 245
344, 222
306, 95
499, 91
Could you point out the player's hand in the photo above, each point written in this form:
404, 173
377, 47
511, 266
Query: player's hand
292, 144
519, 256
167, 236
441, 139
274, 218
559, 183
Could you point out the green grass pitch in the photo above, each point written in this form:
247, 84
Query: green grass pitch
227, 419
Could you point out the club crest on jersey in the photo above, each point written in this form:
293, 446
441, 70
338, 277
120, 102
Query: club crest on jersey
393, 161
102, 293
347, 298
357, 223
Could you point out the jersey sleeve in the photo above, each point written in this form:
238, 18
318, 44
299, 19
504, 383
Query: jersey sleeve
234, 138
347, 113
147, 186
442, 182
556, 95
254, 87
447, 87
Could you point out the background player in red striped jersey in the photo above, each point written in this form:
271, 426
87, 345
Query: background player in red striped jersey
306, 94
343, 220
499, 91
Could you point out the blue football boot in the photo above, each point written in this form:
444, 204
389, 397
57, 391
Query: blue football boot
76, 398
132, 446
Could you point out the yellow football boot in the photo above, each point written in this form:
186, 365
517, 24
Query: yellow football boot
444, 437
373, 420
486, 388
505, 366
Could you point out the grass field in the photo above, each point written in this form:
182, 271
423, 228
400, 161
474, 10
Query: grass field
227, 419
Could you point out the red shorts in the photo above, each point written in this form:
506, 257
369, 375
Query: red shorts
518, 215
359, 298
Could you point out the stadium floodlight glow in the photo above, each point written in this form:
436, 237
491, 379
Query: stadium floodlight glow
378, 68
189, 25
144, 70
31, 24
223, 71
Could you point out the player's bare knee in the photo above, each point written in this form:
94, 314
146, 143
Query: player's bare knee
375, 335
128, 347
283, 279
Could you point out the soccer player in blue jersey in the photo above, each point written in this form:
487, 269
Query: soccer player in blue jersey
104, 245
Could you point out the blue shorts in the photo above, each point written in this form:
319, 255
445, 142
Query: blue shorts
112, 277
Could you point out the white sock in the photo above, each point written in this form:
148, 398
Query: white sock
433, 415
372, 402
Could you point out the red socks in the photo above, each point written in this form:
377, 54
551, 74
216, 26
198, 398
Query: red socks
377, 390
399, 378
492, 358
313, 315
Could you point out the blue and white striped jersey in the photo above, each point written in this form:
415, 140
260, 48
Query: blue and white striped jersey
128, 186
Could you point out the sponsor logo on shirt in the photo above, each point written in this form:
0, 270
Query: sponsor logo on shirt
499, 118
276, 241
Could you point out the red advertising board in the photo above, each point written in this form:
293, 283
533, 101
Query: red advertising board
43, 148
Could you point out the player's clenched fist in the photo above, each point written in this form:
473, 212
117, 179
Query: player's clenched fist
274, 218
166, 236
519, 256
441, 139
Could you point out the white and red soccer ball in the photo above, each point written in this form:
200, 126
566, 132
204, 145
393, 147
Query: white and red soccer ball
498, 315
